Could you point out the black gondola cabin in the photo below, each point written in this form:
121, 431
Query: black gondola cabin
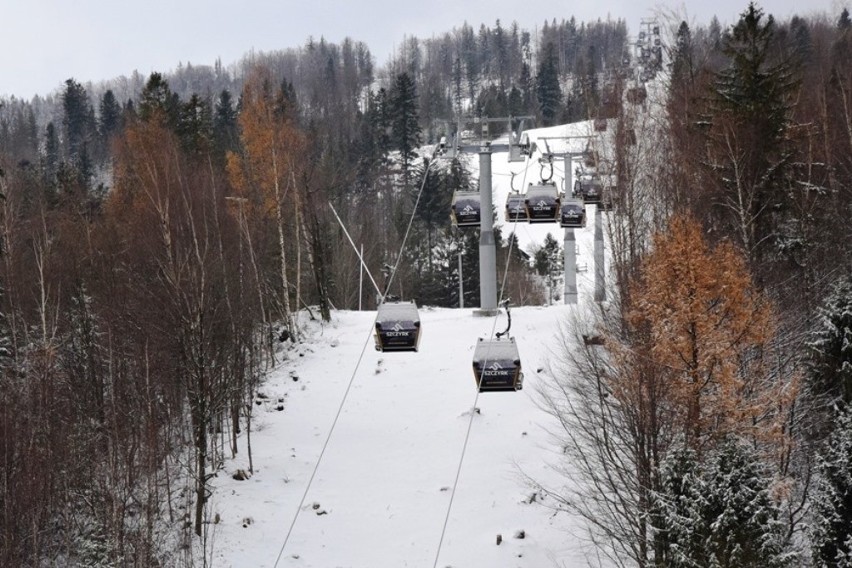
589, 190
573, 214
542, 203
466, 209
397, 327
497, 365
516, 209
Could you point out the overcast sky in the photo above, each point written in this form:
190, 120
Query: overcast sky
45, 42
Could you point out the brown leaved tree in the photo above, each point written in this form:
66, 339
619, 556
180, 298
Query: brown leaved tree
689, 356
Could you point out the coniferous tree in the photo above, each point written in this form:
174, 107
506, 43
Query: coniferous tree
548, 91
831, 347
844, 22
527, 90
678, 510
109, 123
225, 131
50, 159
681, 65
457, 86
720, 515
195, 126
404, 121
76, 119
749, 150
548, 262
831, 526
110, 115
158, 101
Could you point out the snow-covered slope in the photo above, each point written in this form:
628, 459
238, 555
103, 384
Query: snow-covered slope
381, 494
383, 487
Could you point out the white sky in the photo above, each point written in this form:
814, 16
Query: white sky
44, 42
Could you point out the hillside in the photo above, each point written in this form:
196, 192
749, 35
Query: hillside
382, 489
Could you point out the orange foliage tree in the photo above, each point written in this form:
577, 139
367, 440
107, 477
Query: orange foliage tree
265, 172
688, 355
697, 318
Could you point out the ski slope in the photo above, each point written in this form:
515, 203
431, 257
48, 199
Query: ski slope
382, 490
404, 426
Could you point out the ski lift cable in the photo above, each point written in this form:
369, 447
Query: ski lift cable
354, 372
501, 301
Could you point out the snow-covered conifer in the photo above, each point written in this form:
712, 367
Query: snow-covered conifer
720, 515
831, 344
831, 526
680, 506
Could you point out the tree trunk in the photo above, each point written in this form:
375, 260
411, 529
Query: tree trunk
279, 216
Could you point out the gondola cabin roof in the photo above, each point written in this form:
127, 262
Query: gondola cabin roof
397, 311
488, 350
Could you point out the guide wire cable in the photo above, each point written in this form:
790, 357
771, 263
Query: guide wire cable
355, 370
476, 398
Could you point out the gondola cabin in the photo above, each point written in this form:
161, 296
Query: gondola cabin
466, 209
542, 202
516, 209
573, 214
497, 365
397, 327
590, 190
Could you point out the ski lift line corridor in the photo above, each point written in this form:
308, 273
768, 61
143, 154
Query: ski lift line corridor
357, 365
483, 356
351, 381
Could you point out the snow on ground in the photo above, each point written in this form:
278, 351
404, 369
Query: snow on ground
380, 496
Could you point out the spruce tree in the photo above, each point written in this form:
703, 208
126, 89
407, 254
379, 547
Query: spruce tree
831, 346
109, 122
50, 158
225, 132
548, 92
404, 121
159, 102
752, 101
76, 118
678, 512
844, 22
831, 526
682, 67
195, 126
742, 520
548, 261
720, 515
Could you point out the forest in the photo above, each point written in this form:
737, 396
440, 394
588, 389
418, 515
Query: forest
159, 234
